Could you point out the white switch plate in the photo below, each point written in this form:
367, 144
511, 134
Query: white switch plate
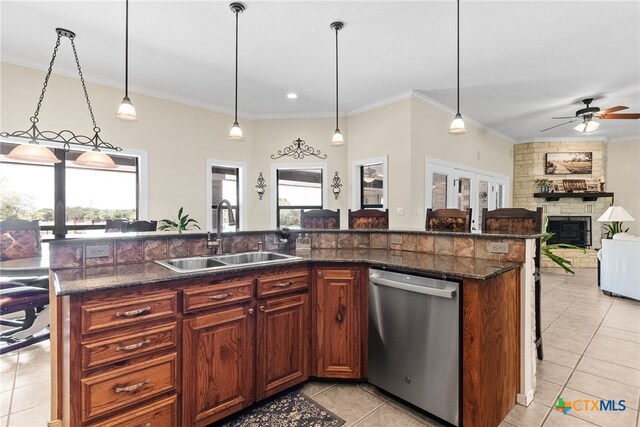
499, 248
400, 211
97, 251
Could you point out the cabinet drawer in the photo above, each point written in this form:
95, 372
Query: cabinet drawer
213, 295
124, 347
117, 389
281, 283
158, 414
131, 311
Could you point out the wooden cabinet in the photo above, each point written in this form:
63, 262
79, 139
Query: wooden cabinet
283, 343
217, 364
340, 319
239, 353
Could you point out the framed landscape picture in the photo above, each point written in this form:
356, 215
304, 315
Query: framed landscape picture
576, 163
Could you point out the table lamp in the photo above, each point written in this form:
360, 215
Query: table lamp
616, 215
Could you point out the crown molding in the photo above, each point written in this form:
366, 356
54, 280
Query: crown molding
564, 139
625, 139
381, 103
133, 88
422, 98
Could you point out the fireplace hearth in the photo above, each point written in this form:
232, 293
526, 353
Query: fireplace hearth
572, 230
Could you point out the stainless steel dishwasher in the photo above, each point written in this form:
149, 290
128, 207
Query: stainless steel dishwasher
414, 340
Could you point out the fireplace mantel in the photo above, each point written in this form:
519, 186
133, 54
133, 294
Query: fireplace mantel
586, 197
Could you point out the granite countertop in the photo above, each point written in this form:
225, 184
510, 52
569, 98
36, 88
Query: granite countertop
74, 281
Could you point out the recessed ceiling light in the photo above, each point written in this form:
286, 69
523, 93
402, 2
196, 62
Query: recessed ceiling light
292, 95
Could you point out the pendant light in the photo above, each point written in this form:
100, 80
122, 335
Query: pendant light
235, 134
36, 153
457, 125
337, 139
126, 111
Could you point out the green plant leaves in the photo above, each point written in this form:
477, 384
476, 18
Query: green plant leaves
184, 223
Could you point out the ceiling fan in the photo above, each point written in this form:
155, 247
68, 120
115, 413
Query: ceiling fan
587, 114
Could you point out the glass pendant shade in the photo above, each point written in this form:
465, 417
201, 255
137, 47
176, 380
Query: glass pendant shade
457, 125
587, 127
126, 110
235, 134
337, 139
369, 179
33, 152
95, 159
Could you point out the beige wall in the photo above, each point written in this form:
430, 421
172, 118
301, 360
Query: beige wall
177, 137
623, 178
274, 135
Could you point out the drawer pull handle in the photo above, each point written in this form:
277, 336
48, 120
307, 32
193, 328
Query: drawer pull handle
134, 313
282, 285
133, 387
220, 296
133, 346
261, 308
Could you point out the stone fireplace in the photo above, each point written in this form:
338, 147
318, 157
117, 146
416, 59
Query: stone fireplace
573, 220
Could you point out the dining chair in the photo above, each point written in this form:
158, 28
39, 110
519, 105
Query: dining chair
369, 219
320, 219
455, 220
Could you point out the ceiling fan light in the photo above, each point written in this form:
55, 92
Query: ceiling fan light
587, 126
369, 179
95, 159
33, 152
235, 134
126, 110
457, 125
337, 139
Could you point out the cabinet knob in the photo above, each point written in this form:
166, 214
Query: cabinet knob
319, 273
261, 308
250, 311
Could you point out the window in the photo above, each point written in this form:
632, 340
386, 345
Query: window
372, 186
89, 196
297, 190
225, 184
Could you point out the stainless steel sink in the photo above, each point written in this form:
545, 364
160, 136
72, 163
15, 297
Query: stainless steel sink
252, 257
221, 262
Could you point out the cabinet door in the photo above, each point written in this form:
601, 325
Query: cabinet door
338, 323
217, 364
283, 343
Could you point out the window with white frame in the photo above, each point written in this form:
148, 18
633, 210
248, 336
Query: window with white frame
225, 184
297, 190
372, 186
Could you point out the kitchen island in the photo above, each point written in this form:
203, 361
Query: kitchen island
139, 341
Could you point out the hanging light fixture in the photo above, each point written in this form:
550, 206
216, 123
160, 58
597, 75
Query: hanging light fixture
369, 175
126, 111
457, 125
235, 134
588, 125
337, 139
34, 152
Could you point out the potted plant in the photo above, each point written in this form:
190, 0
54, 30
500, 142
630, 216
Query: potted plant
183, 223
544, 185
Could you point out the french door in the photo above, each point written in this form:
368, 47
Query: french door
453, 186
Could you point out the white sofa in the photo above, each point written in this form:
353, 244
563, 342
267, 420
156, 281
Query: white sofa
620, 265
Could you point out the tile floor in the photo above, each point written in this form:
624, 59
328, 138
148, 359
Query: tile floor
592, 351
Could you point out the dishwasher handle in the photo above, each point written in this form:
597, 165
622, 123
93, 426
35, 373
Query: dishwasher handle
447, 292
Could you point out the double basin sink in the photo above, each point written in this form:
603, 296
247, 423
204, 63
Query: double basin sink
221, 262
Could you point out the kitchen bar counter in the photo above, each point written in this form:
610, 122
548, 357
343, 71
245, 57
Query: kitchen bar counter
80, 280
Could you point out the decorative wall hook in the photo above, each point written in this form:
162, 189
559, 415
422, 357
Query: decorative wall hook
337, 183
261, 186
299, 150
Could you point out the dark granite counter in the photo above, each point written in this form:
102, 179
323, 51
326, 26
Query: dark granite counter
80, 280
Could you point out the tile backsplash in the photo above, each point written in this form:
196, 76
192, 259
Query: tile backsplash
139, 248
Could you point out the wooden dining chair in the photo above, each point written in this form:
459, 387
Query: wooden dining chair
454, 220
369, 219
320, 219
116, 225
520, 221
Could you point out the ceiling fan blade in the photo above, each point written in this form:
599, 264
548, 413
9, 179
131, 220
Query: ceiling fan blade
611, 110
621, 116
568, 117
561, 124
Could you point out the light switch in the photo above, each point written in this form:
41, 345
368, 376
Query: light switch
400, 211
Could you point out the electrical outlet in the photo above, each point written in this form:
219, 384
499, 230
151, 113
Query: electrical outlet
499, 248
395, 239
97, 251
